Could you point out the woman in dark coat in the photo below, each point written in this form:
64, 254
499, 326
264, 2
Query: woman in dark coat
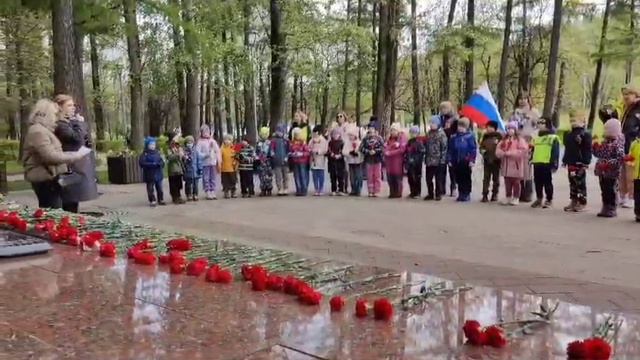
73, 133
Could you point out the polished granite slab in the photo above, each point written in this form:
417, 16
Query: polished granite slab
72, 305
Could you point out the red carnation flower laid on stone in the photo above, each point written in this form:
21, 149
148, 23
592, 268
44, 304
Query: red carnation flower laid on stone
144, 258
258, 281
197, 267
336, 303
383, 309
91, 239
249, 271
4, 214
473, 332
82, 221
494, 336
179, 244
177, 265
212, 273
171, 256
597, 349
577, 350
310, 297
275, 283
39, 213
108, 250
290, 285
65, 221
224, 277
361, 308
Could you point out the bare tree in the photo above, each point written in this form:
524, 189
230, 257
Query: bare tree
97, 89
135, 74
550, 89
446, 63
415, 74
345, 81
469, 44
504, 58
249, 87
593, 106
278, 58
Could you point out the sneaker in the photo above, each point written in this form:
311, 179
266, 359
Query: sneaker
213, 196
506, 201
537, 204
514, 202
333, 193
428, 197
162, 203
233, 195
494, 197
195, 198
153, 204
625, 204
547, 204
227, 195
438, 198
571, 207
485, 199
579, 207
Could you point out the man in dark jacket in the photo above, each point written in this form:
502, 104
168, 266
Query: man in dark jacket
577, 157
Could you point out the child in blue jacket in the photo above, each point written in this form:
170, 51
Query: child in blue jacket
193, 167
152, 164
462, 156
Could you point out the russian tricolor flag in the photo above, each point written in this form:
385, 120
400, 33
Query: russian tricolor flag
480, 108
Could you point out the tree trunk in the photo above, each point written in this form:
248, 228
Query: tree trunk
21, 84
325, 104
236, 103
177, 55
632, 25
217, 103
97, 89
550, 89
469, 43
446, 63
226, 72
525, 62
596, 81
294, 96
249, 88
391, 54
203, 95
135, 74
10, 40
504, 59
558, 105
208, 119
192, 123
264, 99
415, 74
359, 70
383, 40
345, 81
278, 59
67, 70
303, 101
374, 50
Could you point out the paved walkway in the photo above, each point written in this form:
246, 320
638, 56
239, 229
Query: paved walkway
576, 257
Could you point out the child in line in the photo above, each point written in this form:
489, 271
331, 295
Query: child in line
461, 157
513, 152
610, 154
229, 166
393, 156
354, 159
192, 169
449, 122
152, 164
280, 159
175, 165
318, 147
577, 157
209, 151
490, 161
413, 159
263, 156
633, 159
246, 161
436, 148
336, 162
299, 155
372, 147
546, 152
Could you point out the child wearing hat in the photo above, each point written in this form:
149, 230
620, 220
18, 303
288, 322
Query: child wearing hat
461, 157
209, 152
513, 152
413, 159
546, 153
263, 157
175, 167
393, 157
192, 169
229, 167
280, 159
152, 164
318, 147
372, 147
610, 154
435, 159
246, 161
336, 162
299, 155
490, 161
577, 157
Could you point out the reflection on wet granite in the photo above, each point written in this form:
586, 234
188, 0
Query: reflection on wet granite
80, 306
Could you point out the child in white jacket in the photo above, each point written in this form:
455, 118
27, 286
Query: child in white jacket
354, 159
318, 146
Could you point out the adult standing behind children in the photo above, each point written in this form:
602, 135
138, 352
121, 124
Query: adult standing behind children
630, 129
449, 122
209, 151
354, 159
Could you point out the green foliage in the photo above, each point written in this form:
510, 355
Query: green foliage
9, 150
110, 146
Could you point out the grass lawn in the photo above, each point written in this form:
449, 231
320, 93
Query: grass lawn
14, 167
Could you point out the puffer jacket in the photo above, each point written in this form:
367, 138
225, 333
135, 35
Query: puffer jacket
152, 164
577, 147
462, 148
488, 146
299, 153
631, 124
175, 156
43, 157
279, 151
192, 163
436, 146
394, 155
414, 154
246, 157
373, 143
318, 148
513, 154
352, 154
610, 154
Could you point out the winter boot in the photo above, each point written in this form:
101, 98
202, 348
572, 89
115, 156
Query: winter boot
537, 204
571, 207
485, 198
494, 197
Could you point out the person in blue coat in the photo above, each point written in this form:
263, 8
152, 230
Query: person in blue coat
152, 164
461, 157
193, 167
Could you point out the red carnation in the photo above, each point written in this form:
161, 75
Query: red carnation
275, 283
629, 158
90, 239
577, 350
82, 220
473, 332
337, 303
177, 266
212, 273
108, 250
21, 225
145, 258
361, 308
249, 271
40, 227
39, 213
171, 256
495, 337
4, 214
179, 244
258, 282
197, 267
224, 277
383, 309
310, 297
597, 349
290, 285
65, 221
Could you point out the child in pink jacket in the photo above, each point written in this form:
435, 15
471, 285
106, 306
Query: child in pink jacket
394, 159
513, 151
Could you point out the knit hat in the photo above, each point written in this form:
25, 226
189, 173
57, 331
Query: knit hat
436, 120
612, 128
264, 132
149, 140
414, 130
513, 125
373, 124
189, 139
493, 124
281, 129
464, 122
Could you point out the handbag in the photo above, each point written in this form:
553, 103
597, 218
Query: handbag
67, 179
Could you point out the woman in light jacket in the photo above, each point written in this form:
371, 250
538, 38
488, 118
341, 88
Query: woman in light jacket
43, 157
